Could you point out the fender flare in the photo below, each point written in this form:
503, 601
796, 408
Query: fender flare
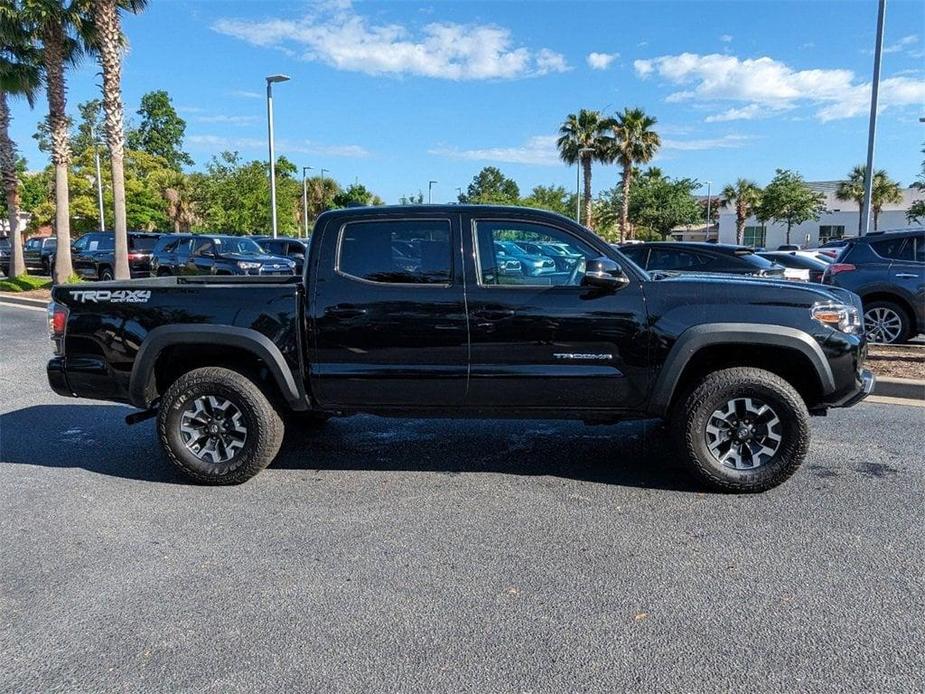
247, 339
697, 337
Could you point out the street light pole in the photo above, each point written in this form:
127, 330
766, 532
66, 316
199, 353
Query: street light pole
872, 128
305, 198
270, 80
430, 191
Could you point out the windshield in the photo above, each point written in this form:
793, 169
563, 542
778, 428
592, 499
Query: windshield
230, 244
757, 261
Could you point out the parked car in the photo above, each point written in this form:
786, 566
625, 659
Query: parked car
38, 253
887, 270
797, 265
5, 249
93, 254
215, 254
560, 254
532, 265
282, 247
834, 247
686, 257
736, 364
789, 247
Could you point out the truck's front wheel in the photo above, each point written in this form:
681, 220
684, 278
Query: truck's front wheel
742, 429
218, 427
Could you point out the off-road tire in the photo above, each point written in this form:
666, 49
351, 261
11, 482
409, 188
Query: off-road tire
264, 425
905, 330
690, 415
106, 275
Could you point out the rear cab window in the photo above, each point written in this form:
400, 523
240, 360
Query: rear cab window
396, 251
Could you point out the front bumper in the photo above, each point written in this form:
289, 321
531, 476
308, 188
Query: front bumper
865, 386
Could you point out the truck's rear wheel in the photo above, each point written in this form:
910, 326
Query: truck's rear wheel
742, 429
218, 427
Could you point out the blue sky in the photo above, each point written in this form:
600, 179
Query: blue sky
398, 93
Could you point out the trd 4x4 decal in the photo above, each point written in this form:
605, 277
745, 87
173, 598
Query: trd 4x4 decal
119, 296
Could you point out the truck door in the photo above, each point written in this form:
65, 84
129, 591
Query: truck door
201, 260
388, 314
540, 340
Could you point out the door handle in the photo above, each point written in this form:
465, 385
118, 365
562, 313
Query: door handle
906, 275
344, 311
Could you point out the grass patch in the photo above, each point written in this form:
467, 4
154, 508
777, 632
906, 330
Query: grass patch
24, 283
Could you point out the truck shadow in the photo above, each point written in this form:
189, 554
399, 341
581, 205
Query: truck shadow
94, 438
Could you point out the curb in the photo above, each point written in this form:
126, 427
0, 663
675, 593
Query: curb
908, 388
11, 298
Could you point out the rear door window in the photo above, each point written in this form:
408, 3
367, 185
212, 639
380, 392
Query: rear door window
396, 251
902, 248
142, 243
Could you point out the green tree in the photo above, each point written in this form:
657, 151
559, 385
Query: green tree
916, 212
585, 137
745, 196
416, 199
490, 186
555, 198
19, 77
321, 195
788, 200
659, 204
60, 29
161, 130
233, 196
635, 142
356, 194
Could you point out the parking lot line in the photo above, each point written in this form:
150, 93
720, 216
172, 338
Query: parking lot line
22, 306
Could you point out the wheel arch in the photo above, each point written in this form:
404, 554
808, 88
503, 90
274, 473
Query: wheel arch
790, 353
172, 349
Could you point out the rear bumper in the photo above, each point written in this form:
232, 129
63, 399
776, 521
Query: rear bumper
57, 377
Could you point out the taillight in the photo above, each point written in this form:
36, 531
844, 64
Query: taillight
57, 325
836, 268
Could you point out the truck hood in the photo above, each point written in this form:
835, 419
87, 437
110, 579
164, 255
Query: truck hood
272, 259
765, 287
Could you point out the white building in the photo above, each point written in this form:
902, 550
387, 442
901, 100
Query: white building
839, 219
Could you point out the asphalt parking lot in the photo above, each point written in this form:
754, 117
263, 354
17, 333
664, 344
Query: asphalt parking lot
449, 556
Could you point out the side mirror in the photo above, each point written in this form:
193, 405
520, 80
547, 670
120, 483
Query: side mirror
604, 273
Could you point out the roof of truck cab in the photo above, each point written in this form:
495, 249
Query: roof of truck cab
444, 208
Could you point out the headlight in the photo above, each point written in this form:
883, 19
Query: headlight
839, 316
245, 265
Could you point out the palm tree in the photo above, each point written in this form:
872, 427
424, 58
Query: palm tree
57, 26
745, 195
109, 44
853, 189
634, 143
885, 190
19, 76
584, 138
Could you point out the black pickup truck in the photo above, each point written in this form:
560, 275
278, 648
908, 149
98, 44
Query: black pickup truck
419, 311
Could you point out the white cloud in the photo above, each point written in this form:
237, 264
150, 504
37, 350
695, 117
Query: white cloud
539, 150
228, 120
726, 38
244, 94
748, 112
724, 142
601, 61
337, 35
899, 46
221, 142
765, 82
